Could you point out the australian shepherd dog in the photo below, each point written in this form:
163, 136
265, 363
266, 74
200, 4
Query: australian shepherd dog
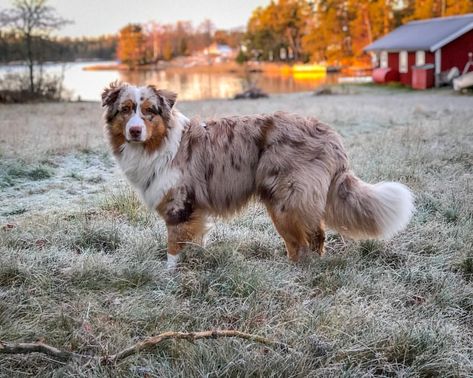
188, 170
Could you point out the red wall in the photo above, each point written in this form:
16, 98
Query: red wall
429, 57
393, 60
406, 78
455, 54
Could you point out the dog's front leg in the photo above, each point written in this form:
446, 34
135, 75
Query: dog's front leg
182, 234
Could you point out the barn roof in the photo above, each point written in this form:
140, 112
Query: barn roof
427, 35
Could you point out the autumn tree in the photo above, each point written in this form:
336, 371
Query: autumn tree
232, 38
33, 21
329, 37
422, 9
131, 48
455, 7
371, 19
261, 35
279, 25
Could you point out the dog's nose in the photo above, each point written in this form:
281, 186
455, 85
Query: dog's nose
135, 132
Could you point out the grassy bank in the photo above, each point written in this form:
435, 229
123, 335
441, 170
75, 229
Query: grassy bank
82, 263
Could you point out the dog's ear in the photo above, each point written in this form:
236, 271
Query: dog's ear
109, 99
110, 94
168, 96
166, 99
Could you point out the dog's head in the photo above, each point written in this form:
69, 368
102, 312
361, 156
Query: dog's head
138, 114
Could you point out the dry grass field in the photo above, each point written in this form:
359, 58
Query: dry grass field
82, 263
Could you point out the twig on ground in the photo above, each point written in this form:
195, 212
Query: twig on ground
38, 347
62, 355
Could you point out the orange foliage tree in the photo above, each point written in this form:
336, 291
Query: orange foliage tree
280, 25
422, 9
131, 45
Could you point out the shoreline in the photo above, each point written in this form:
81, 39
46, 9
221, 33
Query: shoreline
181, 67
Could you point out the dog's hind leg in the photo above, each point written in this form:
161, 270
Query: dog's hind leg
317, 239
292, 231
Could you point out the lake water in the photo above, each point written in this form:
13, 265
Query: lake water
87, 85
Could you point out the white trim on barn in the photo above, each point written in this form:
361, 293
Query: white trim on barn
374, 59
438, 66
383, 58
451, 37
403, 62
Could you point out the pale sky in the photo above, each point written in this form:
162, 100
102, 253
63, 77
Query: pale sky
96, 17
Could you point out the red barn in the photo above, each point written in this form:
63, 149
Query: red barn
416, 53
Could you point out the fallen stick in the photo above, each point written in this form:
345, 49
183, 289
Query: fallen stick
38, 347
62, 355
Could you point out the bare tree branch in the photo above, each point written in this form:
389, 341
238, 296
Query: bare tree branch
147, 344
31, 19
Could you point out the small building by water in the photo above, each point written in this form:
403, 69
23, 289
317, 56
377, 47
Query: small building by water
418, 53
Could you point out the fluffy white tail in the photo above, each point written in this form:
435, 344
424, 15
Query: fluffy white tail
360, 210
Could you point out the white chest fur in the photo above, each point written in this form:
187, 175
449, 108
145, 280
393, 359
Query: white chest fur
152, 174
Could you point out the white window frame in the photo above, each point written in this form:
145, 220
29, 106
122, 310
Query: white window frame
403, 62
420, 58
383, 59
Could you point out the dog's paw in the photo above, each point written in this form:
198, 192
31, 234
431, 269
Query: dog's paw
172, 262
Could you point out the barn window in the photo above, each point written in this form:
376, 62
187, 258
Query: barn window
383, 59
403, 62
420, 58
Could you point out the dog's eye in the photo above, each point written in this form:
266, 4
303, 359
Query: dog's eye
125, 109
150, 111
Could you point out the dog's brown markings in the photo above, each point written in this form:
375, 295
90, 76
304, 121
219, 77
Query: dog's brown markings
177, 206
182, 214
190, 231
156, 131
317, 239
292, 231
116, 136
149, 109
266, 193
128, 104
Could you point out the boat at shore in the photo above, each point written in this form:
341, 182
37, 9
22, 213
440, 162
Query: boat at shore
463, 82
355, 80
309, 68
